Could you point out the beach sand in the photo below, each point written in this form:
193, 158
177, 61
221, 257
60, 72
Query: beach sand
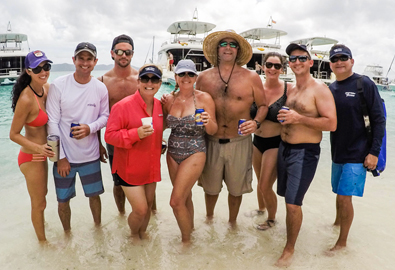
215, 246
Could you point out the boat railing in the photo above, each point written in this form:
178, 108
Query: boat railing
325, 53
10, 71
9, 49
265, 45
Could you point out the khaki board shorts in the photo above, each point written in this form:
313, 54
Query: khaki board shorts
229, 160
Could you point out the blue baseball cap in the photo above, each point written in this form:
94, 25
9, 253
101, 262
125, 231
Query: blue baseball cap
186, 65
33, 59
150, 69
340, 50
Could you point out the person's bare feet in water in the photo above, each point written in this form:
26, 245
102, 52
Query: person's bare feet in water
285, 259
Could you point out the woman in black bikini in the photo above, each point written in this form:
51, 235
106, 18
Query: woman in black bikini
28, 103
186, 152
267, 137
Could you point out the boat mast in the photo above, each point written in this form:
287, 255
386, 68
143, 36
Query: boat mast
390, 66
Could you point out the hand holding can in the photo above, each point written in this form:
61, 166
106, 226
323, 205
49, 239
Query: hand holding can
283, 108
198, 117
71, 130
241, 121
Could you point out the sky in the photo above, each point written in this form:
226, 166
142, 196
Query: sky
57, 26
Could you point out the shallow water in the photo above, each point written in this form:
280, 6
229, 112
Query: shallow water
215, 246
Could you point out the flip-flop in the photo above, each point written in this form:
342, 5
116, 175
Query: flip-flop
266, 225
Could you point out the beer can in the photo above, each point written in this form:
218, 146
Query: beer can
198, 117
284, 108
241, 121
53, 141
73, 125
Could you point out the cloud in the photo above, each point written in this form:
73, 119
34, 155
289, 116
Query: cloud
58, 26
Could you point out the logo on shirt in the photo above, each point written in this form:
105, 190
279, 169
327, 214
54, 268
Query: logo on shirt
91, 105
350, 94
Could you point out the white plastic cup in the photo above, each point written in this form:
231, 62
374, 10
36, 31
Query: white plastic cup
147, 121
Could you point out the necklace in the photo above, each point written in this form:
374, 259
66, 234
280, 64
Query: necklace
35, 91
226, 83
183, 100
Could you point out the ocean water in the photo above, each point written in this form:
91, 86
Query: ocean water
215, 246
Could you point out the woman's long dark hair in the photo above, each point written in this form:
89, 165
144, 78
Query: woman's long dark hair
23, 81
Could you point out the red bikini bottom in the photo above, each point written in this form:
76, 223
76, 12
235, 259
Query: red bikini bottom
24, 157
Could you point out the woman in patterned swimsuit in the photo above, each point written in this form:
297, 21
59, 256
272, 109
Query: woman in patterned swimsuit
186, 153
267, 138
28, 103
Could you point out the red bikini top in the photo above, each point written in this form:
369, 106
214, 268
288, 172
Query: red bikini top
41, 119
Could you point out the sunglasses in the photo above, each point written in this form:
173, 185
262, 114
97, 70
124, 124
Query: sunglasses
276, 65
120, 52
190, 74
302, 58
146, 79
231, 44
84, 45
342, 58
37, 70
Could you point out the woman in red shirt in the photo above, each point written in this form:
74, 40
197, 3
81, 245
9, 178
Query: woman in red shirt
137, 147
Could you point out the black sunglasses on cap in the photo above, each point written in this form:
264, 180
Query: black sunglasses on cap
342, 58
38, 69
190, 74
146, 79
84, 45
120, 52
302, 58
270, 65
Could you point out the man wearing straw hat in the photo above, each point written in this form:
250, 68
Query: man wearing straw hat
311, 111
234, 89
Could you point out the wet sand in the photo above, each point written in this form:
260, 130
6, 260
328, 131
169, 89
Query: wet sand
215, 246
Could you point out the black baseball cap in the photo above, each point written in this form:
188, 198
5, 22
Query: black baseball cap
122, 39
85, 47
293, 46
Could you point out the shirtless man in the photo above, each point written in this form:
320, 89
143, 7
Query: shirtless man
121, 81
233, 88
311, 111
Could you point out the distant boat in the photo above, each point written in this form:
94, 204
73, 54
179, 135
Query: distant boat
12, 55
185, 45
375, 73
257, 37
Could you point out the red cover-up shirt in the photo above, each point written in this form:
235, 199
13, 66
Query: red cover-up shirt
136, 161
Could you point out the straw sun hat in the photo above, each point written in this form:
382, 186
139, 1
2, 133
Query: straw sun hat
210, 47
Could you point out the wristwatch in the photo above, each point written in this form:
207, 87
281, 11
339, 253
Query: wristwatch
258, 125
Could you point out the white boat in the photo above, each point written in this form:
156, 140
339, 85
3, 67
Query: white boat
257, 37
375, 73
184, 45
13, 50
321, 69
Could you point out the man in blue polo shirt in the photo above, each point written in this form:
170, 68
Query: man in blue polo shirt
352, 154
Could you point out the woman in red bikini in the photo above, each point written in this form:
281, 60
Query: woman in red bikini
28, 103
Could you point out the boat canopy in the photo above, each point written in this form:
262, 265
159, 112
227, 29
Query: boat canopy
316, 41
12, 37
262, 33
190, 28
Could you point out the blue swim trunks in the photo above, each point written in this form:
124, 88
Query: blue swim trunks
90, 175
348, 179
296, 166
